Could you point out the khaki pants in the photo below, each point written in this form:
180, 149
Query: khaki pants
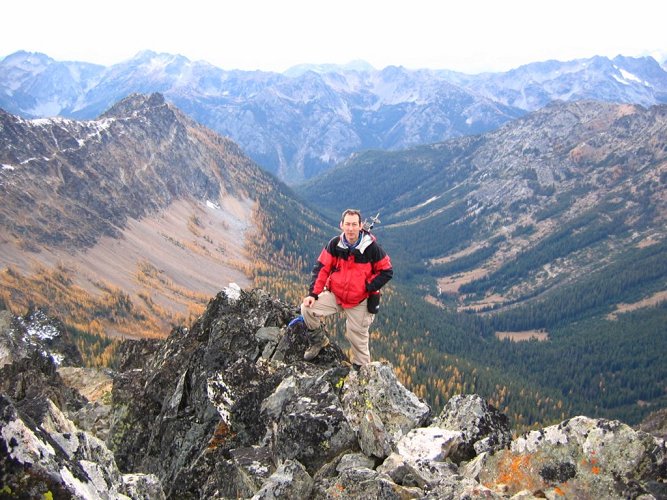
357, 323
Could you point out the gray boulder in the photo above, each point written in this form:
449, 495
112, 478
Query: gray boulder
311, 426
483, 428
417, 472
290, 480
380, 408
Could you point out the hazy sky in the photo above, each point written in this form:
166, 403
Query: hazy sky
464, 35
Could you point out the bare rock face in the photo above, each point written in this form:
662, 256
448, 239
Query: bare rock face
237, 397
42, 451
655, 423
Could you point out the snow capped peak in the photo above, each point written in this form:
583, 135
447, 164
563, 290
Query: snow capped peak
53, 120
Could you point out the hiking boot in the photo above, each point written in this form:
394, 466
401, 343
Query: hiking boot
315, 349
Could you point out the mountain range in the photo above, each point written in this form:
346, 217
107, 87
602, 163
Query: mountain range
301, 123
552, 226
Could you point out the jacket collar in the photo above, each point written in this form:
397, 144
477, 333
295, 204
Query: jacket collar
366, 240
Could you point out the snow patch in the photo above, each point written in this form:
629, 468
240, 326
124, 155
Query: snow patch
627, 78
158, 64
430, 200
98, 127
55, 120
213, 205
7, 167
57, 358
44, 332
620, 80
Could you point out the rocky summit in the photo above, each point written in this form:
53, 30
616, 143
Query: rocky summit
229, 409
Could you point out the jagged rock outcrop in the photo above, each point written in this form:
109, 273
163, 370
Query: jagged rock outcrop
228, 409
20, 335
250, 418
42, 451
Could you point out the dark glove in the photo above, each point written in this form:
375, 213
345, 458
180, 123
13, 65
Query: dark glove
373, 303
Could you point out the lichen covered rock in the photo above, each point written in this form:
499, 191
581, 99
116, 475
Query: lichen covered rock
579, 458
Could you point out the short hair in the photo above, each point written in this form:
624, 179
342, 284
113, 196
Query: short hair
350, 211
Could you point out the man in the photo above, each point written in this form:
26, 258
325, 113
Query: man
348, 276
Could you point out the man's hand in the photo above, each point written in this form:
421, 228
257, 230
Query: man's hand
308, 301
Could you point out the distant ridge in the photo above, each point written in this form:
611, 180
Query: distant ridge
358, 66
301, 123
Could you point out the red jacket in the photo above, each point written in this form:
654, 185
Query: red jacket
351, 274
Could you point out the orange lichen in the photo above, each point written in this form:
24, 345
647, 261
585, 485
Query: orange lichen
592, 462
514, 471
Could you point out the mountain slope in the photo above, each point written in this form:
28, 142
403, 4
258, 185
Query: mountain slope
553, 228
142, 208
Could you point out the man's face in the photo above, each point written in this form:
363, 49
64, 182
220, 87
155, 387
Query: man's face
351, 226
